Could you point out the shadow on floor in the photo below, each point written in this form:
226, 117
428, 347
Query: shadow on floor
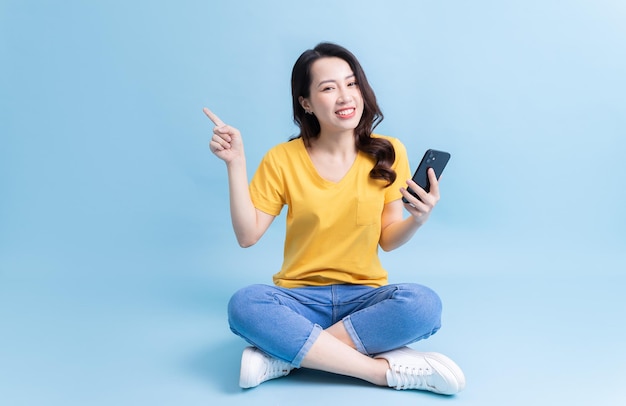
218, 365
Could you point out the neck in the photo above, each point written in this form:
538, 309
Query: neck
335, 143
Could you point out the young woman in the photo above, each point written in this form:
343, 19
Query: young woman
331, 307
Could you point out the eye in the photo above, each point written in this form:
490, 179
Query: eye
327, 88
353, 83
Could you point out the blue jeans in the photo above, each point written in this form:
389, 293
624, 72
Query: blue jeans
285, 323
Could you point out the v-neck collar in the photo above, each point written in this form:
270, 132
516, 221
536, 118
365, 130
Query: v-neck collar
322, 180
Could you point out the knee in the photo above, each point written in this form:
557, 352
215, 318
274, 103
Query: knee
423, 304
243, 304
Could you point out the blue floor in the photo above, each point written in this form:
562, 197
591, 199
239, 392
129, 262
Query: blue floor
128, 331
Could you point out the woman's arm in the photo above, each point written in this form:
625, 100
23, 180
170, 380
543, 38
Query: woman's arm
396, 231
249, 223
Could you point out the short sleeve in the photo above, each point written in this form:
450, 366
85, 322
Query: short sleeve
267, 189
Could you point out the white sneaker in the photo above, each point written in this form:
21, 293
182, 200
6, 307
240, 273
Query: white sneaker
258, 367
410, 369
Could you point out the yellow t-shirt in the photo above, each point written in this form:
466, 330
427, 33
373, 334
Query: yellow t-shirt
333, 229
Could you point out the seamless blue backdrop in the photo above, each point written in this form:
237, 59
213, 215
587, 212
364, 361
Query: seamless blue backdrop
116, 252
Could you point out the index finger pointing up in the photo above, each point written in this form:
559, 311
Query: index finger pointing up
216, 120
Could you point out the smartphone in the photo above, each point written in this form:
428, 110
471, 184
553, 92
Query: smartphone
432, 159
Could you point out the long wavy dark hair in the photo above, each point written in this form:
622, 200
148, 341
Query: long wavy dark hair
380, 149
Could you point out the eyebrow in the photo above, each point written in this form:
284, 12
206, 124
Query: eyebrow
333, 80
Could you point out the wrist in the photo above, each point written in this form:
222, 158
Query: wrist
418, 220
236, 162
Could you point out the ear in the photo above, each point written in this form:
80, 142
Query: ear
304, 103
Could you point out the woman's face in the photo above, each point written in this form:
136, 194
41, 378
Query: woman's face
335, 98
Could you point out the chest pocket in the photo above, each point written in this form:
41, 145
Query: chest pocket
368, 211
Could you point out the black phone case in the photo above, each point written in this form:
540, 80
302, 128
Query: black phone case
431, 159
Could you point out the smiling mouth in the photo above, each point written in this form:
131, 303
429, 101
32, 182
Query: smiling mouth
346, 112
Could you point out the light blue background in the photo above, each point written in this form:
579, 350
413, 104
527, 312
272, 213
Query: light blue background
116, 252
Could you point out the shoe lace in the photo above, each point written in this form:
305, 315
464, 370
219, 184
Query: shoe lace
276, 368
412, 378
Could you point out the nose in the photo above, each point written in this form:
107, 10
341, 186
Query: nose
345, 96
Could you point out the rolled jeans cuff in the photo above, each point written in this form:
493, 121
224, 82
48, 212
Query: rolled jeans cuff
347, 323
315, 333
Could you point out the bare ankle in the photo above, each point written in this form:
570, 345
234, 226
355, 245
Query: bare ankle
381, 376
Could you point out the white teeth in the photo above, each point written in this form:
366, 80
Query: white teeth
345, 112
